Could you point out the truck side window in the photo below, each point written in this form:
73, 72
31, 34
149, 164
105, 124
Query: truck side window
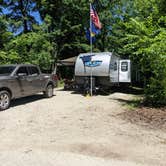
22, 70
124, 66
33, 70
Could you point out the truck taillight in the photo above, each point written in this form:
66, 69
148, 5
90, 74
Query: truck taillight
54, 77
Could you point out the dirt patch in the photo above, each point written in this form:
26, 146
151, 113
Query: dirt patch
97, 150
149, 117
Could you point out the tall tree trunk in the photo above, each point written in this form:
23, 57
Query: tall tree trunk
23, 11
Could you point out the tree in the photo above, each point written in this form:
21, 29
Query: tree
5, 37
142, 38
4, 34
104, 11
133, 29
20, 14
34, 48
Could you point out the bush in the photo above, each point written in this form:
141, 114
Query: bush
155, 91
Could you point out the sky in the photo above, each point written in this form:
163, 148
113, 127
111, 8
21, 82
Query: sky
35, 14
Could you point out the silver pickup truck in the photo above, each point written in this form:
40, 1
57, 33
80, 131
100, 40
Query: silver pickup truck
23, 80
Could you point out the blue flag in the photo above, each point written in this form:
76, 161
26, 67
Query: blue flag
94, 31
95, 27
90, 35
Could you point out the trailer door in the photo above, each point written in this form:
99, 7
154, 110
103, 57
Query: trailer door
124, 71
114, 65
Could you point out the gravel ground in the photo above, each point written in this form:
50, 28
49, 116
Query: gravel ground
70, 130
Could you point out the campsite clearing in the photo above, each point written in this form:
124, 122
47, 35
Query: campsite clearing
70, 130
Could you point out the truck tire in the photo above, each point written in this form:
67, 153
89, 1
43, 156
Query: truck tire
49, 92
5, 99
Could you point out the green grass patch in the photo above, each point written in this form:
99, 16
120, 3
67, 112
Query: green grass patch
135, 103
60, 83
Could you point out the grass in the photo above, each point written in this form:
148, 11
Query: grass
60, 83
133, 104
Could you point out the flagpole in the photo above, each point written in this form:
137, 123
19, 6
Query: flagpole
91, 50
90, 30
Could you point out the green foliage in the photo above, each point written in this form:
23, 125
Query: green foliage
61, 83
134, 29
147, 45
32, 48
8, 58
19, 14
156, 87
142, 37
4, 34
65, 24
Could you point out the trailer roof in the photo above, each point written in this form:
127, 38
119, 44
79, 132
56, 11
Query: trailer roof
67, 62
92, 53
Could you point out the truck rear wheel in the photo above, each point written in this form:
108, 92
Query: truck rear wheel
49, 92
5, 99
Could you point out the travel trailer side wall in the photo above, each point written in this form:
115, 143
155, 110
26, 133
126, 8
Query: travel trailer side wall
106, 69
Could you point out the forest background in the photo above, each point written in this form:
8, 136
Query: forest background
44, 31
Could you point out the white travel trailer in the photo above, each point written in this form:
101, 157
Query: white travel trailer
105, 68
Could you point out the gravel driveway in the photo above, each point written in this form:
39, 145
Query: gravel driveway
72, 130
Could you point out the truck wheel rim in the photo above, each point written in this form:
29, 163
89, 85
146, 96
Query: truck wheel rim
4, 100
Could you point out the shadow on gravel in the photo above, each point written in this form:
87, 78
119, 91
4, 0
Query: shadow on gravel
136, 103
26, 100
127, 90
72, 91
96, 150
111, 90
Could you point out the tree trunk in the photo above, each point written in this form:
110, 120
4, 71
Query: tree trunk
24, 14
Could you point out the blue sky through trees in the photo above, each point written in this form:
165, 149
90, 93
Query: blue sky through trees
17, 14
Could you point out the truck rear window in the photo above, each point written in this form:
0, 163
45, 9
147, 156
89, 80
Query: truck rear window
6, 70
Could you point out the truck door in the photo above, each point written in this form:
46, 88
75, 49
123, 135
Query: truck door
125, 71
34, 76
24, 83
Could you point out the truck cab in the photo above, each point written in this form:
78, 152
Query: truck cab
23, 80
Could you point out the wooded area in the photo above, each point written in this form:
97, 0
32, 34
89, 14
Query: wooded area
134, 29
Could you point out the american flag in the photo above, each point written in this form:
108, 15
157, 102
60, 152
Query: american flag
95, 17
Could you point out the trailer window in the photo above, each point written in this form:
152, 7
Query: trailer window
124, 66
115, 66
111, 66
